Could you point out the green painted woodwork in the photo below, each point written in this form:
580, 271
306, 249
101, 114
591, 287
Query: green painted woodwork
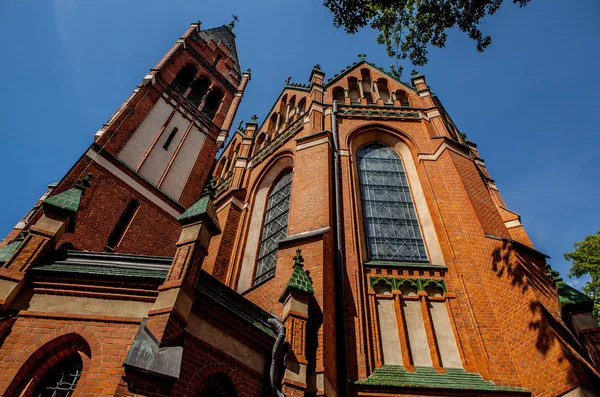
426, 377
420, 284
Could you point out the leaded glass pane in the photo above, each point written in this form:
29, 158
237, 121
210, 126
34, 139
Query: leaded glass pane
392, 225
62, 379
274, 227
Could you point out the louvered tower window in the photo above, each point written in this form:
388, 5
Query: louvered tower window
391, 221
61, 379
274, 227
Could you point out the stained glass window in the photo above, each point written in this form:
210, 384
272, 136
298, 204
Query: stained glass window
391, 220
61, 379
274, 227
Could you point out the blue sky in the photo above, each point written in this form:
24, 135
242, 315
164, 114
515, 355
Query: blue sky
530, 101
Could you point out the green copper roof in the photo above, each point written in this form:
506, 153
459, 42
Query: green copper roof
299, 280
571, 299
454, 378
204, 210
102, 271
69, 199
7, 251
65, 201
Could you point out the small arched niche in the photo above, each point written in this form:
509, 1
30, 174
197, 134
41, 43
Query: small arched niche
384, 92
353, 90
365, 75
338, 94
402, 97
302, 106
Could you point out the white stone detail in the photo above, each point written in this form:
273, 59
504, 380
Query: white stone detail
132, 183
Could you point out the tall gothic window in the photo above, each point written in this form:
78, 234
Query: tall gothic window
274, 227
391, 221
61, 379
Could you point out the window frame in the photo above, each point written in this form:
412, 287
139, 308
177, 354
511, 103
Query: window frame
257, 278
370, 257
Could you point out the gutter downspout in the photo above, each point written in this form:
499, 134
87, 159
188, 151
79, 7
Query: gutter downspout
342, 348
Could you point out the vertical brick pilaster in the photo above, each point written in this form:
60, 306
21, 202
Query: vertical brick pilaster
170, 312
436, 358
403, 331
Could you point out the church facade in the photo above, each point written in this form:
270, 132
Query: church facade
352, 243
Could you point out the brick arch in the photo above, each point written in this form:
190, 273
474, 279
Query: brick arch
196, 384
406, 147
362, 135
257, 197
266, 169
36, 360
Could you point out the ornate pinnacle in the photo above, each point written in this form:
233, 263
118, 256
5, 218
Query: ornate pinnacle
317, 67
254, 118
298, 259
84, 183
210, 188
362, 56
287, 81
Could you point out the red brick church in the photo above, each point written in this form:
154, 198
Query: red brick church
350, 244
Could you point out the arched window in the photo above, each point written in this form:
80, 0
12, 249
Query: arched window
338, 94
213, 100
392, 225
61, 379
274, 227
199, 88
184, 78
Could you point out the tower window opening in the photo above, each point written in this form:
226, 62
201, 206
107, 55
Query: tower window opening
199, 89
274, 228
391, 221
122, 224
170, 138
61, 379
184, 78
213, 100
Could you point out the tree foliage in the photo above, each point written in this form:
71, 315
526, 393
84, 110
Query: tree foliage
586, 261
408, 26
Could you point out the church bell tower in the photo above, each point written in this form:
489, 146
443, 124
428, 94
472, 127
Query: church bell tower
152, 158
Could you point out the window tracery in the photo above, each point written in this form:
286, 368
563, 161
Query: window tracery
274, 227
61, 380
392, 226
